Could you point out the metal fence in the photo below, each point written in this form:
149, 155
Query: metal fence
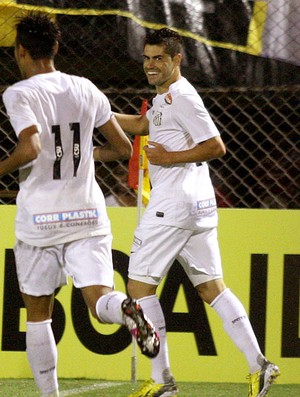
252, 97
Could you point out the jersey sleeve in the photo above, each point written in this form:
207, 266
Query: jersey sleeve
19, 111
191, 114
103, 111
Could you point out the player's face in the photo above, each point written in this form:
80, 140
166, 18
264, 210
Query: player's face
160, 68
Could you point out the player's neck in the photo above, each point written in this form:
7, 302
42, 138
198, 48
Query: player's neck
40, 66
162, 89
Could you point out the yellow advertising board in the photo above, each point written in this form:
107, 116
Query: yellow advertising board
261, 260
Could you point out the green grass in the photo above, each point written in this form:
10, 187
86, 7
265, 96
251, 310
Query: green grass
104, 388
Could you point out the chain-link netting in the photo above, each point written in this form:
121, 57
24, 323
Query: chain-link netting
242, 56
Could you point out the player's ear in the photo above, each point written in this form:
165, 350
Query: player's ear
177, 59
55, 48
21, 50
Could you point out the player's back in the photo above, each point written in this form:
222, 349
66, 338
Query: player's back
61, 180
67, 108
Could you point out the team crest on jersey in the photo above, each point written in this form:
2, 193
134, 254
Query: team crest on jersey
168, 99
157, 119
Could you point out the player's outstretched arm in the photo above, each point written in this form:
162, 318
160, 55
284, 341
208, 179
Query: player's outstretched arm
117, 147
133, 124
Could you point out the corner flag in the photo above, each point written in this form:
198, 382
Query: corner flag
138, 173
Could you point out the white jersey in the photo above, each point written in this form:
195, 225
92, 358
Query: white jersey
182, 195
59, 198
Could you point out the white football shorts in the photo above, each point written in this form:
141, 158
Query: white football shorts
87, 261
155, 248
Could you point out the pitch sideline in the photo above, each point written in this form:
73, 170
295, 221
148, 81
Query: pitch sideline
86, 389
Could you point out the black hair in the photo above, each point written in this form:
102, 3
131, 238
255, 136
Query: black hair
171, 40
38, 34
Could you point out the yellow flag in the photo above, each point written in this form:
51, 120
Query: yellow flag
143, 165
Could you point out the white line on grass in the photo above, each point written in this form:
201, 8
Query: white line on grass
86, 389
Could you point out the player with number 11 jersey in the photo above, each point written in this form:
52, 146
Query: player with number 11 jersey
59, 198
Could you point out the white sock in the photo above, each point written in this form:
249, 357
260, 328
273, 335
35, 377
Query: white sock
42, 355
237, 325
109, 307
160, 364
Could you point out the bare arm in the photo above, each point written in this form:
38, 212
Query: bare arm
27, 149
117, 147
208, 150
133, 124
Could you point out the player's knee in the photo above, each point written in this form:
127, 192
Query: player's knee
138, 290
210, 290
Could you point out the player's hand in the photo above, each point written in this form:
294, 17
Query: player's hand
156, 153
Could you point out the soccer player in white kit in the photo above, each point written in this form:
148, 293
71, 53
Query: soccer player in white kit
180, 221
62, 228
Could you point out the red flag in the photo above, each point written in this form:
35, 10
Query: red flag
133, 166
